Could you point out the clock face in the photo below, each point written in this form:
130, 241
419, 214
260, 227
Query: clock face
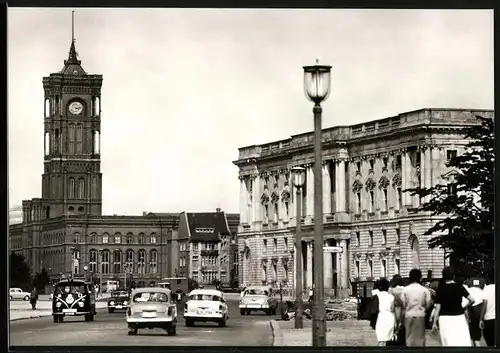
76, 108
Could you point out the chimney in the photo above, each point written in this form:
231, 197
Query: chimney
217, 210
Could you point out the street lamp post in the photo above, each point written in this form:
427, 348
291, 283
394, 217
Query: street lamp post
86, 268
317, 89
100, 271
125, 267
298, 181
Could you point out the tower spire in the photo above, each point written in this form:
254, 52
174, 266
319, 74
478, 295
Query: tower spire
73, 55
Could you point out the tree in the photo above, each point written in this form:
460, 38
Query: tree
192, 284
41, 280
20, 273
466, 203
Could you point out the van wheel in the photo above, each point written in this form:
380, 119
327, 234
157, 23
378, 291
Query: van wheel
61, 318
242, 312
222, 323
111, 310
56, 319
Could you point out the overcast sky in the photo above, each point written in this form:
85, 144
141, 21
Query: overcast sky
183, 89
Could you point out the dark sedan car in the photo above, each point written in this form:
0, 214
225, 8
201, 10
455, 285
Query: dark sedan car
119, 300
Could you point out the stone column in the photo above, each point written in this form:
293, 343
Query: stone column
328, 268
309, 273
310, 192
256, 216
327, 192
340, 186
344, 263
428, 167
436, 166
243, 206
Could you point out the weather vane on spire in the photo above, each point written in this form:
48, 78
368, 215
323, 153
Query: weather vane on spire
72, 26
73, 55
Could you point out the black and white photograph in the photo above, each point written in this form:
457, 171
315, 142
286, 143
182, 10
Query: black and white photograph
251, 177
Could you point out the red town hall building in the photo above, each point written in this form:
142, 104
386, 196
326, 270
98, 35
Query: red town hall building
65, 232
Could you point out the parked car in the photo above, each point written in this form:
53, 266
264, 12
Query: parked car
18, 293
118, 300
152, 308
258, 298
206, 305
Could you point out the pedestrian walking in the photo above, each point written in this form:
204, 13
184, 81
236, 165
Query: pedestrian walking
397, 291
386, 321
33, 298
311, 295
487, 317
416, 302
449, 317
474, 312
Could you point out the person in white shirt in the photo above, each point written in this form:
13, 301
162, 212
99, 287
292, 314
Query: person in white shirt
487, 323
474, 311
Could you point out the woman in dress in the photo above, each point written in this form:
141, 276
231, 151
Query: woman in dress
396, 290
384, 328
449, 313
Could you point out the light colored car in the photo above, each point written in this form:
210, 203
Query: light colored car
152, 308
205, 305
18, 293
258, 298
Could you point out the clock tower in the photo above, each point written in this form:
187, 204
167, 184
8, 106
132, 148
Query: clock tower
72, 178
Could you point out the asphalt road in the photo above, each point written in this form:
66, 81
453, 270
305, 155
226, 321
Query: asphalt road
111, 330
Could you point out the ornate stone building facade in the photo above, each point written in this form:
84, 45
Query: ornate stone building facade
64, 231
366, 169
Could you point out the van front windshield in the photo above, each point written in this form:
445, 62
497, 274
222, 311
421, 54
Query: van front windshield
71, 289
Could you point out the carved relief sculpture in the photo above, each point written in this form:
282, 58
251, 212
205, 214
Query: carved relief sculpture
383, 183
274, 197
396, 180
285, 196
264, 198
370, 184
357, 186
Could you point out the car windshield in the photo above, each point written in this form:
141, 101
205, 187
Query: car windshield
72, 289
208, 297
150, 297
256, 292
119, 294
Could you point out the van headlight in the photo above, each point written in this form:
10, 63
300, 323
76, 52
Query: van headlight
58, 304
80, 304
111, 303
125, 302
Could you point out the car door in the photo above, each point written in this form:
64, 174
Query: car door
17, 293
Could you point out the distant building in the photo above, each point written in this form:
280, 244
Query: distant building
16, 215
206, 245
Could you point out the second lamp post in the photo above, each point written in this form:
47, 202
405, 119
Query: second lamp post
317, 89
298, 179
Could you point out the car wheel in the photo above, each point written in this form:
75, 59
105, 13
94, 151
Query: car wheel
26, 297
222, 323
269, 311
249, 312
111, 310
242, 312
189, 323
132, 332
11, 297
61, 318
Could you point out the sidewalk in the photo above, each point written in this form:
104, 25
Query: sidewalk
339, 333
22, 310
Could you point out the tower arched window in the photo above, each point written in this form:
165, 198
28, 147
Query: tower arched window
71, 188
105, 262
92, 238
153, 261
130, 238
141, 261
117, 261
81, 188
93, 261
129, 260
47, 143
79, 138
71, 139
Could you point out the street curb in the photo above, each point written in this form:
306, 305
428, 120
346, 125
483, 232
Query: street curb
31, 317
276, 333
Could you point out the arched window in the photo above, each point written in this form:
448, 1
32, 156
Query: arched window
153, 261
93, 260
47, 143
129, 260
71, 188
118, 238
92, 238
47, 107
130, 238
79, 138
71, 139
141, 261
105, 238
105, 262
81, 188
117, 261
140, 238
153, 238
148, 240
97, 142
76, 238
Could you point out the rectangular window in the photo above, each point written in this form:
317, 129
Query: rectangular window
370, 268
386, 201
384, 237
276, 212
275, 244
358, 238
370, 240
396, 262
384, 268
287, 210
385, 160
104, 239
358, 203
195, 246
398, 236
398, 162
450, 154
153, 239
400, 198
118, 239
358, 167
358, 270
372, 164
265, 245
372, 202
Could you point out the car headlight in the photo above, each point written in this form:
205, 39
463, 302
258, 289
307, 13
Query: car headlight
125, 302
58, 304
80, 304
111, 303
